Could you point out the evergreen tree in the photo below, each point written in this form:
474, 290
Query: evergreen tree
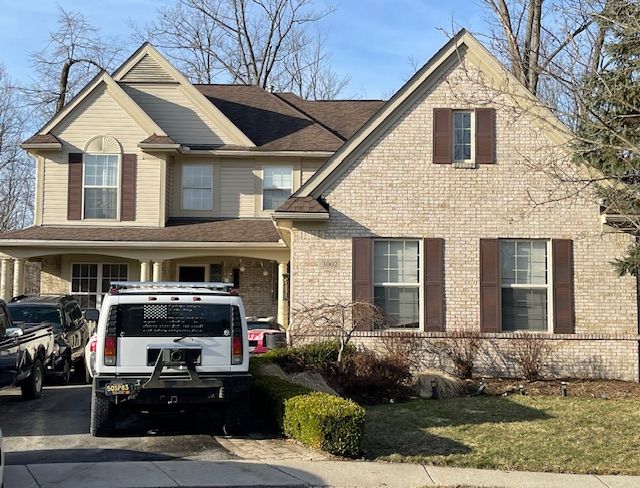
608, 135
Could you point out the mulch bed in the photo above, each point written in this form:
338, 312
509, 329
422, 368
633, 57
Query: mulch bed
583, 388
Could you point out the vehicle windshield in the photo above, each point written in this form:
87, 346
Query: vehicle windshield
173, 320
30, 314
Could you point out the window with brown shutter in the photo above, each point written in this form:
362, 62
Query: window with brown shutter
128, 188
74, 189
563, 301
490, 285
442, 135
434, 285
362, 248
485, 135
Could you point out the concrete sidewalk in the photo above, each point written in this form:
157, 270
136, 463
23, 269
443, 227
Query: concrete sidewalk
201, 474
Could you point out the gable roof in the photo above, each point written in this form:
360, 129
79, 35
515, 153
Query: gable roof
463, 41
119, 96
150, 57
270, 122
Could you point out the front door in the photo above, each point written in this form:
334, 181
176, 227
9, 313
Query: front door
191, 274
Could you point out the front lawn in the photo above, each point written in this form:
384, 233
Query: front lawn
575, 434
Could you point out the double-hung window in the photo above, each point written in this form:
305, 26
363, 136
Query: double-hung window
197, 187
463, 135
101, 186
396, 276
90, 281
525, 284
277, 186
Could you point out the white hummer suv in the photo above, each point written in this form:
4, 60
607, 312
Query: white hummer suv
171, 344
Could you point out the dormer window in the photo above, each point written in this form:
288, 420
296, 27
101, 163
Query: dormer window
101, 186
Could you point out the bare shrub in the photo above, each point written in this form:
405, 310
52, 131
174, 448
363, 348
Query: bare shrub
447, 386
404, 347
337, 319
461, 347
530, 352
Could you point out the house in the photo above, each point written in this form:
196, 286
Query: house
423, 204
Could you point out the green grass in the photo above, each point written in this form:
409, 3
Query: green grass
577, 435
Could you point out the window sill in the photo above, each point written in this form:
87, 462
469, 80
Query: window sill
464, 164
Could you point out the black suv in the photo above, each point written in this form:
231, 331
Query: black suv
70, 329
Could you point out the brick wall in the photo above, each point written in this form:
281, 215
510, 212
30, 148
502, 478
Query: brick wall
394, 190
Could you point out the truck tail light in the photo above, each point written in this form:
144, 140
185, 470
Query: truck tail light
110, 350
236, 336
111, 338
92, 345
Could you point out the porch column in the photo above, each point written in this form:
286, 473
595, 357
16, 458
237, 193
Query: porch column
157, 271
144, 270
283, 303
5, 279
18, 277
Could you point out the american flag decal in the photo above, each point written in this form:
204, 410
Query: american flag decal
154, 312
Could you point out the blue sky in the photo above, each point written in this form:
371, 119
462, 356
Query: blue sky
372, 41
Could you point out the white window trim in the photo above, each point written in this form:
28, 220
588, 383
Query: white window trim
182, 188
117, 187
100, 293
464, 162
419, 285
548, 286
264, 168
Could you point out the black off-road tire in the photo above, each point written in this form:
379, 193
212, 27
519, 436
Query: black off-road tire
103, 414
32, 386
236, 417
80, 368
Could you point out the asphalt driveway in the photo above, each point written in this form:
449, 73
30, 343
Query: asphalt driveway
55, 429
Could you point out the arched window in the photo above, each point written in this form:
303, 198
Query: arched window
102, 160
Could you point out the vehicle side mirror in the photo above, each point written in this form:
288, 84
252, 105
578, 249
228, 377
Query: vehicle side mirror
14, 332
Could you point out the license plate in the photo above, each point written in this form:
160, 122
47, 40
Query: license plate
113, 389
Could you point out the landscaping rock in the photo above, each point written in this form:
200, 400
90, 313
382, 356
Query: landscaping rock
447, 386
314, 381
272, 369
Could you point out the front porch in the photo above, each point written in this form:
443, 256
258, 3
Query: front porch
84, 267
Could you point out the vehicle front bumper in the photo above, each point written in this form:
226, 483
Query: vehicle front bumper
219, 388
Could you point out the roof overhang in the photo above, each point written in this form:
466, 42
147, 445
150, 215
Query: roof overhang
301, 216
41, 146
139, 244
240, 153
149, 147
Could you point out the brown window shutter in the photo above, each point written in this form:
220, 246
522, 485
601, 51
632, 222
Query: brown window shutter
442, 135
434, 285
74, 190
485, 135
128, 188
563, 307
362, 273
490, 285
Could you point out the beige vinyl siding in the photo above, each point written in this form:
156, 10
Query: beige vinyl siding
100, 114
178, 116
307, 170
148, 69
237, 190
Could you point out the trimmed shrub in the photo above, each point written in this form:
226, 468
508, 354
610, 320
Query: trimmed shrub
368, 378
325, 422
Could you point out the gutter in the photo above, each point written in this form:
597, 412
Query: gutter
141, 244
301, 215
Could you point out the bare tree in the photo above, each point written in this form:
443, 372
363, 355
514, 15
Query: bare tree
74, 54
461, 347
16, 172
339, 319
256, 42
